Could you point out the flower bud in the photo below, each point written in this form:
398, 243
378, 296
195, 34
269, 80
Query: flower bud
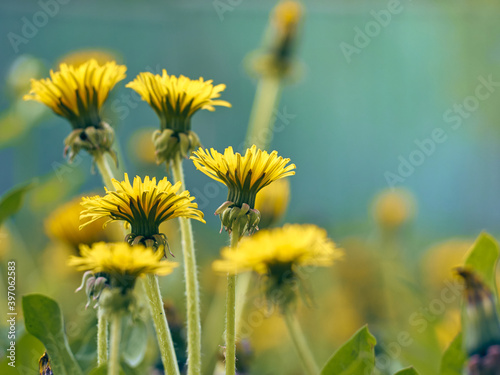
44, 365
92, 139
170, 144
481, 325
245, 218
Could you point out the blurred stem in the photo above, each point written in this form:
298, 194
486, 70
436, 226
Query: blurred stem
242, 287
192, 287
230, 311
102, 338
260, 126
104, 169
164, 337
114, 355
299, 341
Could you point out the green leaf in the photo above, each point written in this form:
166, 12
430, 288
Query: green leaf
407, 371
134, 342
28, 352
12, 201
355, 357
454, 358
482, 258
43, 319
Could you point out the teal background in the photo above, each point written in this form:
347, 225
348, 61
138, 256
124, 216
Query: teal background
353, 120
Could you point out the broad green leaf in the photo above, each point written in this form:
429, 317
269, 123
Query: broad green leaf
454, 358
134, 342
407, 371
28, 352
43, 319
355, 357
12, 201
482, 258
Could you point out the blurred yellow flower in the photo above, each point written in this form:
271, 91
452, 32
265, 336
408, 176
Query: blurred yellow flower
120, 260
286, 16
78, 93
143, 205
82, 56
272, 202
176, 99
244, 177
63, 225
273, 250
270, 334
438, 262
393, 207
276, 59
141, 145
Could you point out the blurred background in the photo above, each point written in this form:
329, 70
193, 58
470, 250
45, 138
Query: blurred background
388, 94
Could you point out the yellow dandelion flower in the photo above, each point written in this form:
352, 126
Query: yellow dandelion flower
120, 260
63, 225
143, 205
175, 100
244, 177
279, 254
292, 245
77, 94
287, 15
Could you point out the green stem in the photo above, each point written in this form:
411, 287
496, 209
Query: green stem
192, 287
114, 354
165, 342
260, 127
102, 332
102, 338
231, 311
299, 341
104, 169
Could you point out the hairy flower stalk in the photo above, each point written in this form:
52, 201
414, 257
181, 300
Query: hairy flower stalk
192, 286
244, 176
144, 205
277, 255
175, 100
231, 311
